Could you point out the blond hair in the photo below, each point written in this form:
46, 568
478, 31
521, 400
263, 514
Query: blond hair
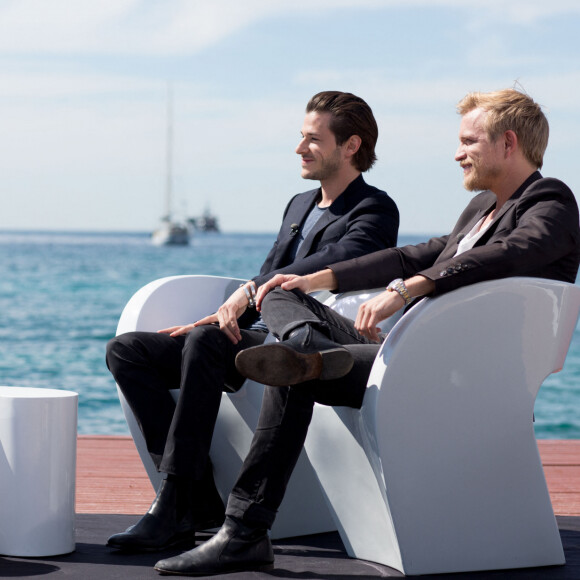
511, 110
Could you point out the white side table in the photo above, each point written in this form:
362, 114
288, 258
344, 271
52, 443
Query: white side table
38, 440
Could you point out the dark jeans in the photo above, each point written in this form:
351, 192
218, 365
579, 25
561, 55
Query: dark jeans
146, 365
286, 412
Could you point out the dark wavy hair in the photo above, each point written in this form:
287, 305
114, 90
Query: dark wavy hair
350, 115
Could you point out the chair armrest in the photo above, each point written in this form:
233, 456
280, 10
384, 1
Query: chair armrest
447, 416
175, 300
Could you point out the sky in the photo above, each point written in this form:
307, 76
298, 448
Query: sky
84, 93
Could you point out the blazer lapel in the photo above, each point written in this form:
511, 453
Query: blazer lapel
464, 229
296, 215
506, 207
335, 211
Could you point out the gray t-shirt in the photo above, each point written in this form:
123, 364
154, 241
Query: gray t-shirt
310, 221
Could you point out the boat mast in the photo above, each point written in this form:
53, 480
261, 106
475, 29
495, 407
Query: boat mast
169, 155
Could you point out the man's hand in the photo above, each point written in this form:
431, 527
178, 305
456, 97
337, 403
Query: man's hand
386, 304
226, 316
286, 281
375, 310
177, 330
321, 280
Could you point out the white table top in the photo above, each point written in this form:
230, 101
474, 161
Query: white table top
34, 393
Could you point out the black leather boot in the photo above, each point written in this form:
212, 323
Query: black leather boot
235, 548
204, 501
180, 508
307, 354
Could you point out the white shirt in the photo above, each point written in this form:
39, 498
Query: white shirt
472, 236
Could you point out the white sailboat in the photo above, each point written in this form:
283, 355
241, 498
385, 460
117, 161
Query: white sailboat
170, 232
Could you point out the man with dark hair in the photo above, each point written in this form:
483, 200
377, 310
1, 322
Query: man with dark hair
341, 219
348, 117
521, 225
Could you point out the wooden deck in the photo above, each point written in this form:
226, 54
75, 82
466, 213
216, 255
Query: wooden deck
111, 478
561, 461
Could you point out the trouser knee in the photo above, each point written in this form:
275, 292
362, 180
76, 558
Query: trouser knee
114, 351
209, 352
285, 310
279, 296
204, 341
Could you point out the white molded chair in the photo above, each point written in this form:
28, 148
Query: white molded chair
179, 300
439, 471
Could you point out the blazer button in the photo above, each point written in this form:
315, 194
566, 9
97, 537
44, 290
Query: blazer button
450, 270
443, 273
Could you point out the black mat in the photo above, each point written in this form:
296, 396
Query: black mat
310, 557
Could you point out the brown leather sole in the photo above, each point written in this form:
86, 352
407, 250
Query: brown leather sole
278, 365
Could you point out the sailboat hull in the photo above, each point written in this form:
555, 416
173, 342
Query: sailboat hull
171, 234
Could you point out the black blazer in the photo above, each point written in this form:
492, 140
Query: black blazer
536, 233
361, 220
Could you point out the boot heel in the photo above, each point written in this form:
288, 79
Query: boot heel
336, 363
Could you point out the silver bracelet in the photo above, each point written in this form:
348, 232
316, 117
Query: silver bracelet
252, 290
250, 293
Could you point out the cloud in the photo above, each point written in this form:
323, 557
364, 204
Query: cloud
79, 127
116, 26
524, 12
558, 90
142, 27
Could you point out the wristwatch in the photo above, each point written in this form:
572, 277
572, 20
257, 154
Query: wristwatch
398, 286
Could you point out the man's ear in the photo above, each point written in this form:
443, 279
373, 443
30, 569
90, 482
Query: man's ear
510, 142
352, 145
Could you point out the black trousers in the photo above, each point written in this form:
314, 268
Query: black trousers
286, 412
146, 365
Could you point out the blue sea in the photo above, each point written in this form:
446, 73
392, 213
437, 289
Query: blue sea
61, 295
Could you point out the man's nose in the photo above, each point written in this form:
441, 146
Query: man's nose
460, 153
301, 147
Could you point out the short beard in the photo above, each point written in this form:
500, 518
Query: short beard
480, 180
328, 168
